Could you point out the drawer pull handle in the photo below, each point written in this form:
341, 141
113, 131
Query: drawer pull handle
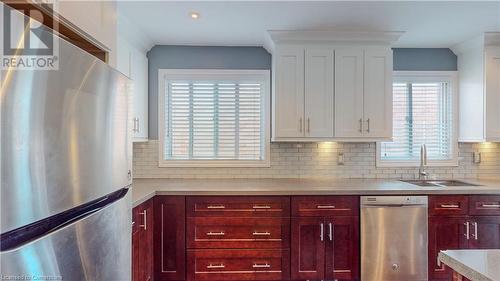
325, 207
261, 207
266, 265
221, 233
212, 266
490, 205
450, 206
261, 233
216, 207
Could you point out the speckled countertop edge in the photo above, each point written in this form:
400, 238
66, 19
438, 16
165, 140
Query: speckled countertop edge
462, 269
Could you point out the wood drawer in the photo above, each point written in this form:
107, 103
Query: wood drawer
317, 206
227, 233
484, 205
448, 205
210, 265
228, 206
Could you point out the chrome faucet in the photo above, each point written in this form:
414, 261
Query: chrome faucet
422, 173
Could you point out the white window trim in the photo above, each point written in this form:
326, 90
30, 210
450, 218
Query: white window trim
263, 75
425, 76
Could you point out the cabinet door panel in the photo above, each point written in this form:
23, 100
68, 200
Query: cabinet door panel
485, 232
169, 237
319, 97
378, 93
445, 233
492, 88
289, 93
348, 92
308, 252
342, 249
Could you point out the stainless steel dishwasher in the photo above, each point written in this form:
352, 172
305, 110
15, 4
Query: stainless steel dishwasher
394, 238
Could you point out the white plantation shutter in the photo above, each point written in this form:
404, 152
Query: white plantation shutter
422, 114
214, 119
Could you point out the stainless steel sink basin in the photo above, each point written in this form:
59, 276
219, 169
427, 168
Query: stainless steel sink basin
440, 183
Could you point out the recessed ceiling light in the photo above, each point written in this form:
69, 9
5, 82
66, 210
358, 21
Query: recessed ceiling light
194, 15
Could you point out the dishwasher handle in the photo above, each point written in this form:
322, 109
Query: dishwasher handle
392, 205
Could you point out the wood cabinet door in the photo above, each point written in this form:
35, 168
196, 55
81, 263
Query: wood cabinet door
169, 238
349, 92
142, 242
342, 248
445, 233
308, 248
484, 232
136, 241
288, 94
319, 96
377, 98
492, 89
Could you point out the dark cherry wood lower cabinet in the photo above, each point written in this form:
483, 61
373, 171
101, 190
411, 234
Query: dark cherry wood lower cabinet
169, 238
325, 247
142, 242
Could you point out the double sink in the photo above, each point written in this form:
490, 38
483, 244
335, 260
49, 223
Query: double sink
439, 183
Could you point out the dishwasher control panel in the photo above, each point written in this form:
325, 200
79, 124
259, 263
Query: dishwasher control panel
394, 200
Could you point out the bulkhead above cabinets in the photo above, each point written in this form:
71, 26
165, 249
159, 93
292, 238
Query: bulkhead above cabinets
330, 86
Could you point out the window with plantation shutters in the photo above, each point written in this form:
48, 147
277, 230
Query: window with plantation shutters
423, 113
214, 118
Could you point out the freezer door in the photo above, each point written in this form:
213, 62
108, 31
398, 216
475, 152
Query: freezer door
65, 137
97, 248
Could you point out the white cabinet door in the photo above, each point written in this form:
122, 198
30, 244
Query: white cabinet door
377, 102
289, 93
140, 100
492, 88
319, 96
348, 93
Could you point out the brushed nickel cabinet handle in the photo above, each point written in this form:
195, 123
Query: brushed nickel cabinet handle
449, 206
144, 217
330, 232
321, 232
368, 125
360, 125
325, 207
308, 125
216, 207
256, 233
490, 205
266, 265
300, 124
211, 266
467, 229
475, 231
261, 207
221, 233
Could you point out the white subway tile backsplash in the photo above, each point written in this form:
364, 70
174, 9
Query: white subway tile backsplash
305, 160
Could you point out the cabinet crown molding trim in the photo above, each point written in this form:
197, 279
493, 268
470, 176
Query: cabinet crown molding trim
330, 37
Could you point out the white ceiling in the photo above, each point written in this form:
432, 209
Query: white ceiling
230, 23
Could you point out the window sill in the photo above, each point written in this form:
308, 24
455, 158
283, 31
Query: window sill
214, 164
412, 164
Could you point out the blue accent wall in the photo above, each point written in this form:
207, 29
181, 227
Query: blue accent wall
424, 59
216, 57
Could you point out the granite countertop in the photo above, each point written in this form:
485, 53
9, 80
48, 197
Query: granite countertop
143, 189
475, 265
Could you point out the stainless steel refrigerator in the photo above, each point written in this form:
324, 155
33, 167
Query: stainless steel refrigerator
65, 171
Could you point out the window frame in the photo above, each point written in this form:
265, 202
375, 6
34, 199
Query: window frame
262, 75
450, 77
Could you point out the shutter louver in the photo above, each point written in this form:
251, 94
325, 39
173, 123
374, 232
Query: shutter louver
213, 120
422, 114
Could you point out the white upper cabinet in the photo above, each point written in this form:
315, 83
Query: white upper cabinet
377, 98
133, 62
331, 86
288, 94
479, 88
319, 97
349, 92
